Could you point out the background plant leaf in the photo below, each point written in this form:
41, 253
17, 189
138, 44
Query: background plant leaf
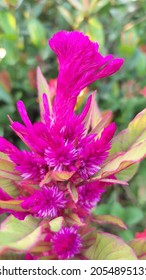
109, 247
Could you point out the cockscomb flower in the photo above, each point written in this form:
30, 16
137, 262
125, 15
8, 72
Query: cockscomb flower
46, 202
63, 142
67, 243
56, 175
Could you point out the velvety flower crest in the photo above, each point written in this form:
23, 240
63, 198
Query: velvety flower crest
46, 202
67, 243
80, 64
90, 194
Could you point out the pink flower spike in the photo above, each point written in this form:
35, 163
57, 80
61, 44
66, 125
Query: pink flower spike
67, 243
6, 147
85, 109
90, 195
46, 116
108, 133
23, 113
45, 203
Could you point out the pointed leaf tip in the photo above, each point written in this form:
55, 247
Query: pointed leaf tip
43, 87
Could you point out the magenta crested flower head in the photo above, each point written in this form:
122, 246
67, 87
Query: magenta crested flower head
56, 178
67, 243
90, 194
80, 64
46, 202
61, 141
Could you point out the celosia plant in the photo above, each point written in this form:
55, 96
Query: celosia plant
50, 189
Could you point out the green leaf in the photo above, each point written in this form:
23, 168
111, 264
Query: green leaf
66, 14
8, 22
95, 31
12, 205
37, 32
73, 191
19, 235
7, 169
56, 224
9, 187
117, 210
109, 247
128, 173
128, 147
133, 135
96, 5
102, 209
109, 219
76, 4
133, 215
103, 123
5, 96
141, 64
12, 52
127, 235
57, 176
74, 219
139, 246
90, 116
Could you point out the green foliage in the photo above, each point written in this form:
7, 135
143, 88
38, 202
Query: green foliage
19, 235
110, 247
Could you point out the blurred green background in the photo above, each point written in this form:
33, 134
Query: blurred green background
120, 27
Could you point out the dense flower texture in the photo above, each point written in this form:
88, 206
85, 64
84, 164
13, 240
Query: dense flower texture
62, 143
67, 243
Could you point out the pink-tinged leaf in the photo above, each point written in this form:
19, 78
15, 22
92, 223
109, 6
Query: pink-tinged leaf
9, 175
110, 181
139, 246
96, 115
43, 87
74, 219
87, 117
56, 224
47, 179
7, 169
109, 247
114, 181
109, 219
62, 175
128, 173
73, 192
128, 147
103, 123
9, 187
57, 176
4, 156
19, 235
12, 205
6, 165
40, 248
12, 256
133, 135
